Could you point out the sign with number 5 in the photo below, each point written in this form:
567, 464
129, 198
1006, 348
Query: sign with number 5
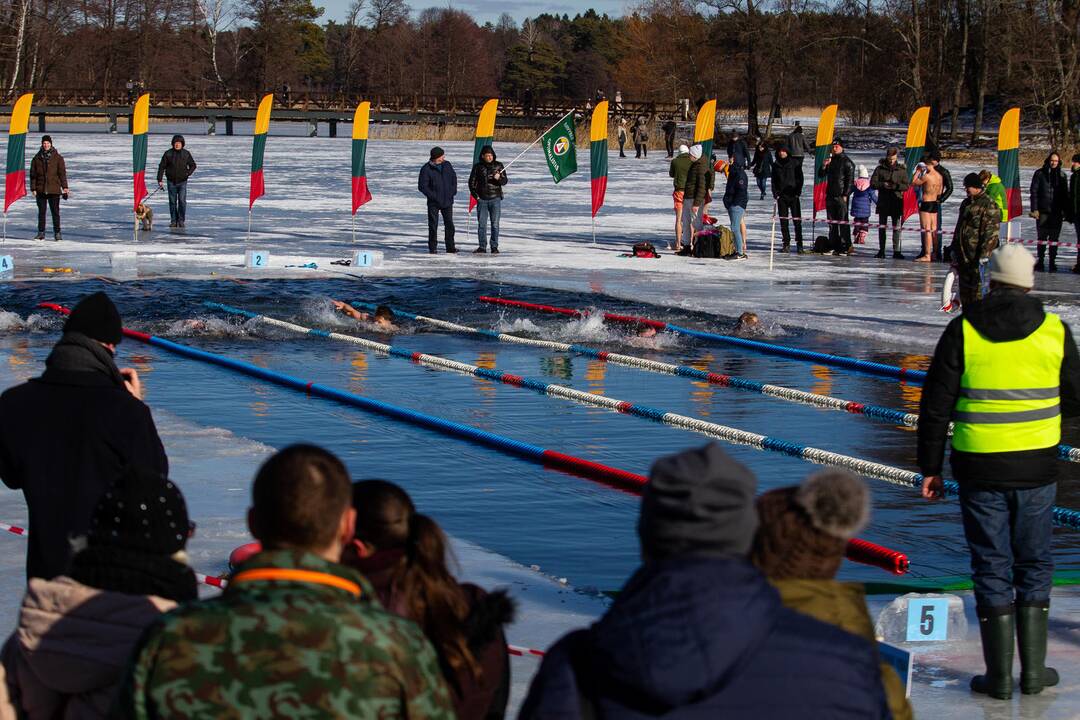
928, 620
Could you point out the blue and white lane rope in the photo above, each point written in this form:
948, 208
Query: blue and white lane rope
1067, 453
849, 363
867, 468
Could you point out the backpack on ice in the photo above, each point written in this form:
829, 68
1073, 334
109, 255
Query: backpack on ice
644, 250
822, 246
714, 242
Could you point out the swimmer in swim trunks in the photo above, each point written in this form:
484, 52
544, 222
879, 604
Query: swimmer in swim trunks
929, 179
383, 318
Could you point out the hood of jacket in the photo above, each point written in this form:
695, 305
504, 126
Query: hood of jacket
681, 629
77, 639
488, 149
837, 603
862, 184
1006, 314
178, 139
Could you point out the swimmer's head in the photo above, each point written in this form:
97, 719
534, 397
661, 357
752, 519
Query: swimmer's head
646, 331
748, 321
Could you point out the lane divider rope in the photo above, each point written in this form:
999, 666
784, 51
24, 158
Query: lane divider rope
585, 468
866, 366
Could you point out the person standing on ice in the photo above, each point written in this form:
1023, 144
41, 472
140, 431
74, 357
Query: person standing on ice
762, 165
891, 181
787, 186
669, 127
641, 138
1004, 373
839, 173
1073, 205
862, 198
176, 166
736, 198
438, 183
48, 182
694, 193
934, 161
797, 144
486, 183
976, 236
928, 180
698, 631
621, 135
677, 171
67, 435
1049, 200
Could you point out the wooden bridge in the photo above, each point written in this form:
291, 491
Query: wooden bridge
308, 107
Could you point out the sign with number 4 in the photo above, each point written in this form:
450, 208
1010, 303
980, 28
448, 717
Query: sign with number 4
7, 264
928, 620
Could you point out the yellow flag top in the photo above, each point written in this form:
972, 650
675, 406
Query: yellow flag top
360, 121
485, 125
598, 130
262, 118
916, 129
141, 121
1009, 131
20, 114
705, 126
826, 126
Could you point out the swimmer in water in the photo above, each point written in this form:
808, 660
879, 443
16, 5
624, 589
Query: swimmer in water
646, 331
382, 319
748, 324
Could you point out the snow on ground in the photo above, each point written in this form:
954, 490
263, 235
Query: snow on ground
546, 241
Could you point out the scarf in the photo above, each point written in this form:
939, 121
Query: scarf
77, 353
134, 573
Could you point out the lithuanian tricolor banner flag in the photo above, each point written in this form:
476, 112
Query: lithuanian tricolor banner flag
1009, 161
258, 147
913, 153
15, 176
485, 135
598, 148
705, 128
140, 125
360, 192
822, 149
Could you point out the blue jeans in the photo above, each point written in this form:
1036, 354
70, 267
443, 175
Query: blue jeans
177, 200
735, 214
1008, 533
484, 210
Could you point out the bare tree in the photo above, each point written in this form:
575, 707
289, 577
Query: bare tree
216, 17
20, 12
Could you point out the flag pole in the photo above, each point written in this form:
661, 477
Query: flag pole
354, 228
249, 226
538, 139
5, 226
593, 229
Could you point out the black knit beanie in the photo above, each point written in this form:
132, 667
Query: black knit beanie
96, 317
141, 511
436, 152
972, 180
46, 139
698, 502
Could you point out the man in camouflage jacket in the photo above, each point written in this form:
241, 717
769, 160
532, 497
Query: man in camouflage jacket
294, 635
976, 236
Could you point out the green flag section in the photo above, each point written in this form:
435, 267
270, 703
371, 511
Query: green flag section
1009, 162
560, 149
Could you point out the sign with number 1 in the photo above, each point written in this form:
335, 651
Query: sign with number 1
928, 620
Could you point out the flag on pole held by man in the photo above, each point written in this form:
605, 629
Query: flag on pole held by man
1009, 161
560, 149
360, 192
15, 174
140, 125
598, 151
913, 153
822, 149
485, 134
258, 148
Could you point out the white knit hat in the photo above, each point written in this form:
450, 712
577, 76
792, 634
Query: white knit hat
695, 152
863, 172
683, 150
1013, 264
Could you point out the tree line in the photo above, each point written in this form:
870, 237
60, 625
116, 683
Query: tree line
879, 59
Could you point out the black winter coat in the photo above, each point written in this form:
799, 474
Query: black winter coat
739, 152
482, 183
1074, 197
762, 163
1003, 316
64, 437
1049, 191
48, 177
946, 183
797, 144
890, 183
839, 175
176, 165
787, 177
735, 192
438, 183
698, 637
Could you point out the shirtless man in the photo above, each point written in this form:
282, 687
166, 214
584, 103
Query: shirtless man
929, 179
383, 318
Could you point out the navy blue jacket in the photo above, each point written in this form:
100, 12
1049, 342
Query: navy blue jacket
735, 191
438, 183
697, 637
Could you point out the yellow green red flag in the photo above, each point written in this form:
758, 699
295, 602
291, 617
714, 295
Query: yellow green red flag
598, 151
15, 174
822, 148
361, 119
140, 125
258, 147
1009, 161
913, 153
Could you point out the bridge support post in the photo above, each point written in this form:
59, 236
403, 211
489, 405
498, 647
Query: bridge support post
112, 123
312, 128
228, 126
211, 125
41, 122
333, 128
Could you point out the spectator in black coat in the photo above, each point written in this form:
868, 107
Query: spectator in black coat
486, 183
669, 127
698, 632
176, 167
737, 150
1049, 200
66, 436
839, 173
787, 185
438, 183
798, 144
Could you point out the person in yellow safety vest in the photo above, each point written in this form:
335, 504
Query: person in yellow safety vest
1004, 373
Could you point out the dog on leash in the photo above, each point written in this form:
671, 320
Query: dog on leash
145, 215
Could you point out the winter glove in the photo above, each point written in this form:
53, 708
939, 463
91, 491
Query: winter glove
1034, 214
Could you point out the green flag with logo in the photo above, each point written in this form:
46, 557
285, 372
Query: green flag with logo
560, 148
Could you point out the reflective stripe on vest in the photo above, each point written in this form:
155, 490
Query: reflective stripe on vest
1009, 394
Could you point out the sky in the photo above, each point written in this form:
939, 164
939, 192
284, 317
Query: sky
486, 10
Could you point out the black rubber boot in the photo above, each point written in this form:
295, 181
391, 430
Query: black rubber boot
996, 627
1031, 628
